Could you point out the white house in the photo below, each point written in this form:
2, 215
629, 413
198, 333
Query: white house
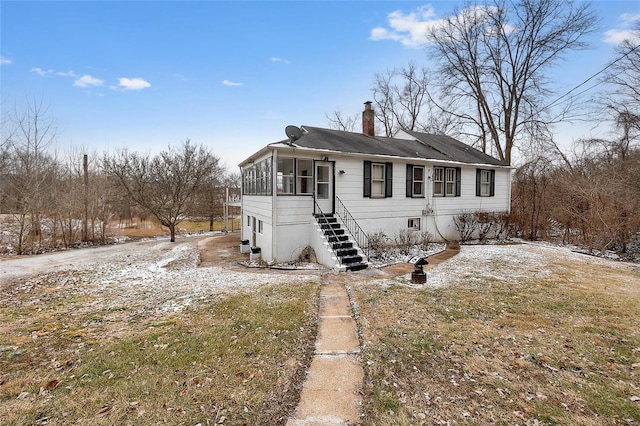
329, 189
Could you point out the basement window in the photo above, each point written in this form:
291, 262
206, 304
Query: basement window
414, 224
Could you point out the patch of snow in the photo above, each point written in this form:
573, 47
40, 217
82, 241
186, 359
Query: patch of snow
147, 278
395, 255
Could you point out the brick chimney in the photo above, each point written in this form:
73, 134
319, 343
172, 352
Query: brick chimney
368, 120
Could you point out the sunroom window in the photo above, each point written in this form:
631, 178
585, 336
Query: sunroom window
285, 175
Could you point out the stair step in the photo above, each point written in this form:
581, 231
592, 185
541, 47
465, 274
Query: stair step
347, 260
333, 232
347, 251
357, 266
324, 219
329, 225
337, 238
342, 245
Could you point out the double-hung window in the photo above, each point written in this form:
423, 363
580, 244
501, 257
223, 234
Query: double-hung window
415, 181
446, 181
377, 180
485, 182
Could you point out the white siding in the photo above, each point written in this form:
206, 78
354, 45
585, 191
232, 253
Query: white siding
293, 209
259, 207
294, 217
288, 225
391, 214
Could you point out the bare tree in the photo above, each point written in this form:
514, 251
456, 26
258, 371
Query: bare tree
623, 97
165, 185
339, 121
493, 58
29, 168
403, 101
209, 201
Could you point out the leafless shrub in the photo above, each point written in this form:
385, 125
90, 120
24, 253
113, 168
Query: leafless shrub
466, 224
405, 239
378, 242
485, 225
424, 239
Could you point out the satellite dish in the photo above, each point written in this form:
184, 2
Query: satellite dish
293, 133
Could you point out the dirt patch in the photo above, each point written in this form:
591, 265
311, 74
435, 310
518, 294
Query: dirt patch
407, 268
220, 250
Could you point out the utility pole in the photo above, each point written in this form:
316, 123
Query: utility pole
85, 230
226, 210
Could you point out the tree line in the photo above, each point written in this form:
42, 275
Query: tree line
49, 200
486, 80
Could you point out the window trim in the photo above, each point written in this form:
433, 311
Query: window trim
368, 179
256, 178
411, 181
456, 181
380, 180
299, 177
280, 175
479, 182
412, 222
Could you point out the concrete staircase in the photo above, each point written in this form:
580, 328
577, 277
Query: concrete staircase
350, 255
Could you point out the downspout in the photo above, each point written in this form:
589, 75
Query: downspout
242, 203
274, 204
509, 191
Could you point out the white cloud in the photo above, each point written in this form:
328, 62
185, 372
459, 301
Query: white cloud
280, 60
66, 74
410, 29
625, 30
41, 72
5, 61
88, 81
180, 76
133, 83
231, 83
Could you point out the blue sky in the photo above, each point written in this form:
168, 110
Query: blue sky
228, 75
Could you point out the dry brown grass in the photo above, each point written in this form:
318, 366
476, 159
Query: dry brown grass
152, 228
238, 359
559, 350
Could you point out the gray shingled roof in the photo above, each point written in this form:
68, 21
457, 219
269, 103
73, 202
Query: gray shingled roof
427, 146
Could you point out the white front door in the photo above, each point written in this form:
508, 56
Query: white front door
324, 186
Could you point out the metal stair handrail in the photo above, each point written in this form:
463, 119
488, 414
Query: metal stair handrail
358, 234
320, 213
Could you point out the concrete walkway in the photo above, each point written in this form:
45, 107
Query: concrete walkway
331, 392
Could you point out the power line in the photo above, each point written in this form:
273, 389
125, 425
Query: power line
589, 79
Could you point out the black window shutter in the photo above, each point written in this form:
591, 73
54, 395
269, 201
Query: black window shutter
478, 180
458, 183
366, 190
492, 188
409, 180
388, 190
